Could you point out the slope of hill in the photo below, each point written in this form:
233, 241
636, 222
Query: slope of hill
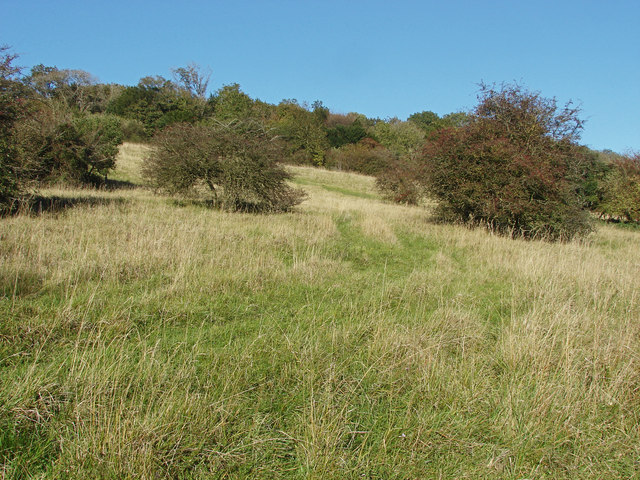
148, 337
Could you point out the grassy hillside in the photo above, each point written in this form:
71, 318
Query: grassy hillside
145, 337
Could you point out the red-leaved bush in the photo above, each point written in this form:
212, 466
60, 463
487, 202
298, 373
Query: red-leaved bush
367, 157
514, 167
481, 177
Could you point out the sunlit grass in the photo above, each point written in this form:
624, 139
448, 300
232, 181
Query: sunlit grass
348, 339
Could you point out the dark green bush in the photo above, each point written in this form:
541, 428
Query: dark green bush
341, 135
156, 103
100, 135
237, 164
54, 146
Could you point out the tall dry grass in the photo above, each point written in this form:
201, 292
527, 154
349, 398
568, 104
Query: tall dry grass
145, 337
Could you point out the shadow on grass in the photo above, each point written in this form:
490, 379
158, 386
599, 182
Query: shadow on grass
36, 205
98, 182
118, 185
239, 206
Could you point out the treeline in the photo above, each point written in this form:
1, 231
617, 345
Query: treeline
64, 125
513, 164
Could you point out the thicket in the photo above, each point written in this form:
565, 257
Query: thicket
514, 167
54, 146
431, 122
48, 131
312, 134
73, 90
367, 157
346, 134
156, 103
236, 163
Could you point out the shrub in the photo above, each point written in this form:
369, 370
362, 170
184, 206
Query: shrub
100, 136
398, 182
621, 190
515, 167
480, 177
367, 157
237, 163
54, 146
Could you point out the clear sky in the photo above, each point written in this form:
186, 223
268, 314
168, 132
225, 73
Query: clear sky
380, 58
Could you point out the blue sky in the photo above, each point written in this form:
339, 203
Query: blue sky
380, 58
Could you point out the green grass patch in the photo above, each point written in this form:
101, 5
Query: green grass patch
337, 189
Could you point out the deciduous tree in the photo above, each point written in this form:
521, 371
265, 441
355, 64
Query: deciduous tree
236, 162
193, 79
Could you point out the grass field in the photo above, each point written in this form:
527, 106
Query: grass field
147, 337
